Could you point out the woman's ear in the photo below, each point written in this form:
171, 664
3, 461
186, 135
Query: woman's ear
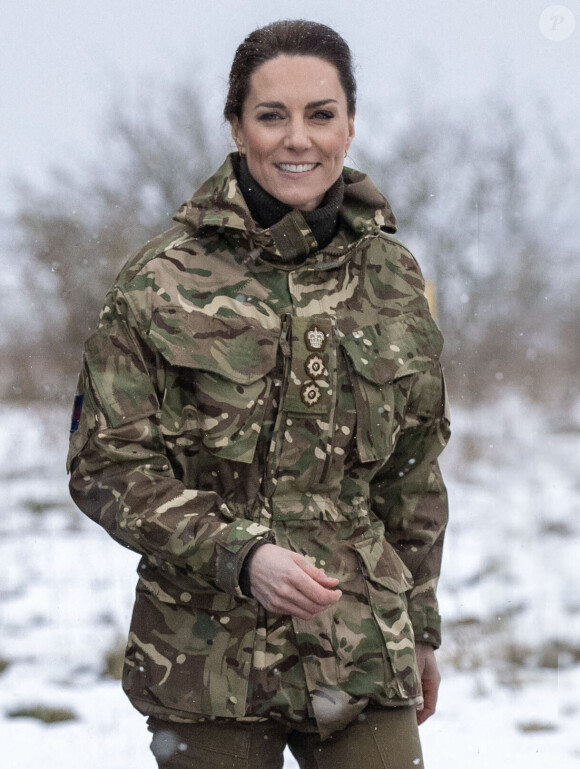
238, 134
350, 132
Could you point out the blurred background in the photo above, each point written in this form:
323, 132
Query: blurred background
469, 121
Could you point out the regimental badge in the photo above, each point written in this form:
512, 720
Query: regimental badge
315, 339
314, 366
310, 393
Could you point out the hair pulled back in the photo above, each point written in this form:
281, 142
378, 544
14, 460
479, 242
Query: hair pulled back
293, 37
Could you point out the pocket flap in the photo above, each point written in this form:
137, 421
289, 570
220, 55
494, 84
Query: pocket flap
238, 349
187, 594
394, 348
383, 564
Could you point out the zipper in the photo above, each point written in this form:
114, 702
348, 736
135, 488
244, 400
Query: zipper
332, 416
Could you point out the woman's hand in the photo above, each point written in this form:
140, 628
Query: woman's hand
287, 583
430, 679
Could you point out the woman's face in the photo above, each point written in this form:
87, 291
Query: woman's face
295, 129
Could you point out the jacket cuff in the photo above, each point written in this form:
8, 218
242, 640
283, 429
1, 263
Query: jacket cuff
231, 555
426, 626
244, 578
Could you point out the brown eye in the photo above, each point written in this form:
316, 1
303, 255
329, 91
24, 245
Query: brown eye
323, 114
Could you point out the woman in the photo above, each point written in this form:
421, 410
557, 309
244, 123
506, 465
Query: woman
259, 415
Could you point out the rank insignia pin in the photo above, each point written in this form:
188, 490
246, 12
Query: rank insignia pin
310, 393
314, 366
315, 339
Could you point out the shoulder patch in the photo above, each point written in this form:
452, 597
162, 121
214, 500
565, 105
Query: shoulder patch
77, 411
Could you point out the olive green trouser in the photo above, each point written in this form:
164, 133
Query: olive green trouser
379, 739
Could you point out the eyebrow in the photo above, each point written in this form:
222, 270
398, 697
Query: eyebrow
280, 105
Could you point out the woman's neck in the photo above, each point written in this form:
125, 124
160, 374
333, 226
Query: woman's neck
266, 210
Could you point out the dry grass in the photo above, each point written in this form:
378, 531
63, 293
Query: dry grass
44, 713
114, 659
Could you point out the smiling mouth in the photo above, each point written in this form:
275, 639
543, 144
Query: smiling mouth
294, 168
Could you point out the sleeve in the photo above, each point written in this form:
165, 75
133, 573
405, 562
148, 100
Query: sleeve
410, 497
120, 473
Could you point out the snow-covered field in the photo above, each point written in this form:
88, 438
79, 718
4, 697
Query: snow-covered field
510, 596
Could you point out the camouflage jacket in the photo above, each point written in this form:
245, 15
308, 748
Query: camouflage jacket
229, 395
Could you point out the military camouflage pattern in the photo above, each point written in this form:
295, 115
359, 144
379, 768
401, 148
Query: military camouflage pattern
231, 395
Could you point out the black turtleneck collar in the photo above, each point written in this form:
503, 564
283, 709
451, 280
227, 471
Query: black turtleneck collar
266, 210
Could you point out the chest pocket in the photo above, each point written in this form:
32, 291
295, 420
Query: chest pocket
382, 360
224, 363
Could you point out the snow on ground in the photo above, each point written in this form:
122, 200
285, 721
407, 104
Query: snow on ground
510, 595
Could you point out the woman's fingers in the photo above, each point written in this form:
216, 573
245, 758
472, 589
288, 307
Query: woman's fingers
430, 680
298, 606
313, 571
310, 582
288, 583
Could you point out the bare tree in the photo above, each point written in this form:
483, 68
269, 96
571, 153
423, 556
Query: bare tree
75, 234
465, 188
468, 198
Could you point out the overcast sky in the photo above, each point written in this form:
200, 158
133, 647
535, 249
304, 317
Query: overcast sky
60, 61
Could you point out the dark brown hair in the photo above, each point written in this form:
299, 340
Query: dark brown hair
295, 37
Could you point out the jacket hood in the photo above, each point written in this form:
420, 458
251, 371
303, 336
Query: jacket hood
219, 203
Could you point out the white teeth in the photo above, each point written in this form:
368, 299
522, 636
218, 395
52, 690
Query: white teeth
294, 169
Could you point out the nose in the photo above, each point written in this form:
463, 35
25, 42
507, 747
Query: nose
297, 137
